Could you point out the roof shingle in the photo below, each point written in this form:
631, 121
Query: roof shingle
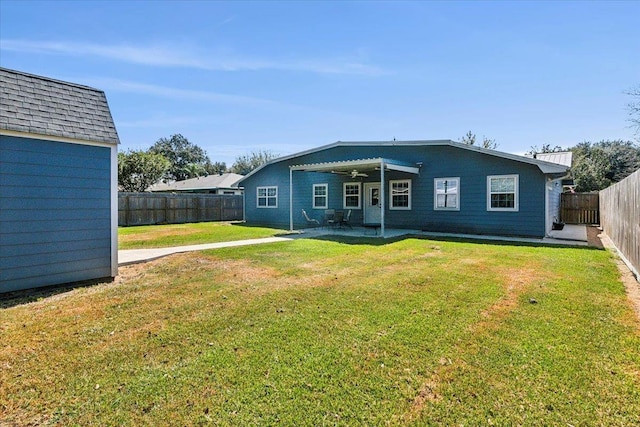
44, 106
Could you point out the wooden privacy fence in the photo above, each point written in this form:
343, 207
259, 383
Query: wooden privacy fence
165, 208
620, 217
579, 208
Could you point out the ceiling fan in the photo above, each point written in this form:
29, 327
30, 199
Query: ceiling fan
354, 173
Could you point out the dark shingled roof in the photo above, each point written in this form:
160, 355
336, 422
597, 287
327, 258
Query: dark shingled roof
44, 106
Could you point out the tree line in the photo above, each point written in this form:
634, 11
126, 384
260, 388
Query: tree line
595, 165
176, 159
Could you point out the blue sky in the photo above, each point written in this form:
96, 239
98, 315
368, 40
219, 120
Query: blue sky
236, 77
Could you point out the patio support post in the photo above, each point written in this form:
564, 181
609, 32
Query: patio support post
382, 200
290, 199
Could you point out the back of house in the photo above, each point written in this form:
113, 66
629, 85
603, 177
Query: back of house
440, 185
58, 183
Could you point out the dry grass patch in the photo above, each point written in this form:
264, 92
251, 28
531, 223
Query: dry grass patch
312, 332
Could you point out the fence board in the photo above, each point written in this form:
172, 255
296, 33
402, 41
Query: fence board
165, 208
620, 217
579, 208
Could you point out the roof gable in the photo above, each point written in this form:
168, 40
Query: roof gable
545, 167
43, 106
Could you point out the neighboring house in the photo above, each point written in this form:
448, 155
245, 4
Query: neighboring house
442, 186
225, 183
58, 183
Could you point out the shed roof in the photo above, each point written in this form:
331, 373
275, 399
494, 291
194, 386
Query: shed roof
226, 180
43, 106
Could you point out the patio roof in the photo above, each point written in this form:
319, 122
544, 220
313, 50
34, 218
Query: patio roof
361, 165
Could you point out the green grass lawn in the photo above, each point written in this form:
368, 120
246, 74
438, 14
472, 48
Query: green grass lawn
319, 332
161, 236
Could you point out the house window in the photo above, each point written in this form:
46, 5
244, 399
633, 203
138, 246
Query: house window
267, 197
446, 194
502, 193
351, 195
320, 196
400, 194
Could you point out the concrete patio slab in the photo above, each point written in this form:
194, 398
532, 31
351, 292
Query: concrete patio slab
577, 232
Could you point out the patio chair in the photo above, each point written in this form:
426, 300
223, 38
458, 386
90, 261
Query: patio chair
310, 221
346, 219
328, 217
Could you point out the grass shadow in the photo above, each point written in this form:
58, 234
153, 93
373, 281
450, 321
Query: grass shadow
26, 296
378, 241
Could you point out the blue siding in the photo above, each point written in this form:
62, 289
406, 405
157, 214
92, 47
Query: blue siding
55, 213
438, 162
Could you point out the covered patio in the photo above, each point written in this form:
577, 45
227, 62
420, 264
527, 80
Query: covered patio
353, 169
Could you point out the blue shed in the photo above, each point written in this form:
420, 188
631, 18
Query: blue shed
441, 185
58, 183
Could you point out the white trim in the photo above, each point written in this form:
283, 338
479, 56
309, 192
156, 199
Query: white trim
266, 197
56, 138
344, 195
516, 197
290, 199
382, 199
326, 196
435, 193
348, 165
114, 210
391, 205
548, 187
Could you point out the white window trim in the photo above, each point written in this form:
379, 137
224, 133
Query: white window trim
435, 193
399, 208
266, 187
326, 196
516, 197
344, 195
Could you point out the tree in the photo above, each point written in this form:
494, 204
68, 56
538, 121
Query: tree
182, 155
470, 139
194, 170
137, 170
216, 168
597, 166
245, 164
634, 110
546, 148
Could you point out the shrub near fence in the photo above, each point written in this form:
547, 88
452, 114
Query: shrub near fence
620, 217
170, 208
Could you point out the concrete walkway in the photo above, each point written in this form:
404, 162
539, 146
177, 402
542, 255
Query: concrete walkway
575, 235
134, 256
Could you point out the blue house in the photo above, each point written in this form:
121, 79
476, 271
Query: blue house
442, 186
58, 183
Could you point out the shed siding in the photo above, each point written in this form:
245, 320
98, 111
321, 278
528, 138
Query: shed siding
55, 212
437, 162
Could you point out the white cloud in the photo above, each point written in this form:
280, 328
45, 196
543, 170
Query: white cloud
109, 84
190, 57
